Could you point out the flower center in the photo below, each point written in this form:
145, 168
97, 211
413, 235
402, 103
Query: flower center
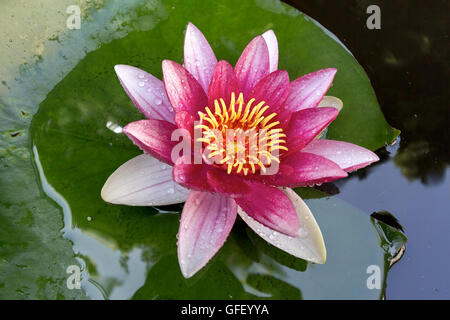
241, 137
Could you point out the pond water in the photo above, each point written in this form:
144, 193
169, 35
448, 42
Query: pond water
408, 64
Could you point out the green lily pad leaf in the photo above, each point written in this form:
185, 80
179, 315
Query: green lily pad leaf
51, 212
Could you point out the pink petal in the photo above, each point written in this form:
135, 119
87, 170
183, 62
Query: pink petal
348, 156
271, 207
146, 92
229, 184
273, 89
153, 137
199, 58
185, 120
223, 83
303, 169
308, 91
253, 65
206, 221
308, 244
272, 46
284, 116
184, 92
143, 181
190, 175
306, 124
204, 177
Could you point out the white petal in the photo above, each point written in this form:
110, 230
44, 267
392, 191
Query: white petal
272, 45
330, 101
308, 245
348, 156
143, 181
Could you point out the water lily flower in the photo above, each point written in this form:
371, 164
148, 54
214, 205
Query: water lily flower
254, 97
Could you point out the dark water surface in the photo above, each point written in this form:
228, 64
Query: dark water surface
407, 61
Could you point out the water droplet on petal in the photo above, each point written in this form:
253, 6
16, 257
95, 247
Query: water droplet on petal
302, 232
141, 83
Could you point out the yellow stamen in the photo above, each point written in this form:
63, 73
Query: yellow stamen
255, 135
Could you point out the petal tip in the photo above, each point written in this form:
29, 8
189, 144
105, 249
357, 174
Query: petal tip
321, 258
121, 70
127, 129
190, 26
330, 72
168, 63
118, 67
108, 192
104, 193
375, 157
321, 253
270, 31
186, 271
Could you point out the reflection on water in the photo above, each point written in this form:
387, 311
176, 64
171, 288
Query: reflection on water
116, 275
407, 62
142, 267
114, 127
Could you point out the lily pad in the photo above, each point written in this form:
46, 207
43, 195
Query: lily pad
51, 173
